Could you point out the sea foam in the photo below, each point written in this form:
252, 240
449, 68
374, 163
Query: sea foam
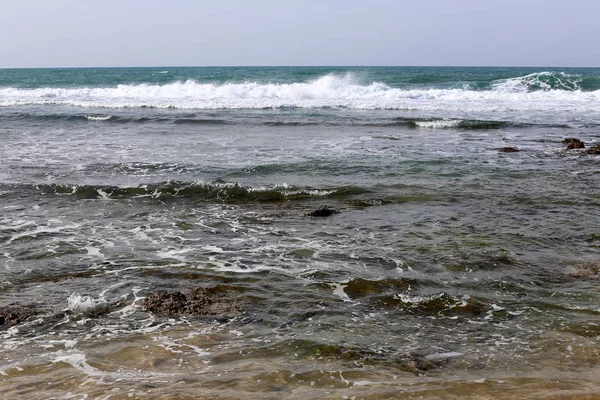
98, 118
515, 94
439, 124
81, 304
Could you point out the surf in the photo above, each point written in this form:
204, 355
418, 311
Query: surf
543, 91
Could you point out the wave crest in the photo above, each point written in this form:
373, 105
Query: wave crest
214, 191
543, 81
542, 91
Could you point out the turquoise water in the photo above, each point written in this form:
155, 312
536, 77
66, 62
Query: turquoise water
479, 78
451, 268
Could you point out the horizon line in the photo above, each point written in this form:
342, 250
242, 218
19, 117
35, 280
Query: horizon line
301, 66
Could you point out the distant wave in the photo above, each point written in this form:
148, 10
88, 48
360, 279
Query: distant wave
98, 117
464, 124
439, 123
114, 118
192, 119
543, 91
546, 81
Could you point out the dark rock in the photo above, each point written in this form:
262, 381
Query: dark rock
359, 287
10, 316
426, 365
573, 143
165, 303
508, 150
323, 212
594, 150
211, 302
368, 203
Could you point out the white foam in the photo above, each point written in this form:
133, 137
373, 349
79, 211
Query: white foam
15, 225
177, 347
98, 118
93, 251
78, 303
174, 254
338, 290
102, 193
79, 362
407, 299
538, 80
10, 332
213, 249
313, 192
439, 124
131, 308
443, 356
327, 91
42, 229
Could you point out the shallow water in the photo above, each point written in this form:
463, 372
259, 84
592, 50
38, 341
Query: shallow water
451, 270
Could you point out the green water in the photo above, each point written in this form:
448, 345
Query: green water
450, 269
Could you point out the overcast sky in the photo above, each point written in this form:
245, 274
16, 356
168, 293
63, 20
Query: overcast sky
80, 33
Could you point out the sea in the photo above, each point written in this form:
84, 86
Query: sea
350, 233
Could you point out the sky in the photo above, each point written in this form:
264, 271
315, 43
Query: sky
105, 33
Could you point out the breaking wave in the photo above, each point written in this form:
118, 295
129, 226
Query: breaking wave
213, 191
446, 123
228, 193
546, 81
465, 124
543, 91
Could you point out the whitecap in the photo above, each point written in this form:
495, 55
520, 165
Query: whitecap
98, 117
330, 91
544, 80
439, 124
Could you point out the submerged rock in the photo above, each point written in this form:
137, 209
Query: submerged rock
508, 150
573, 143
199, 301
323, 212
588, 270
594, 150
10, 316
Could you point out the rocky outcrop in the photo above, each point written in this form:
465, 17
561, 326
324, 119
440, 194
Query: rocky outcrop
323, 212
594, 150
203, 302
10, 316
573, 143
508, 150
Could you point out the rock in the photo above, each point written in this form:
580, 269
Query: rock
508, 150
323, 212
10, 316
594, 150
573, 143
165, 303
587, 270
211, 302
